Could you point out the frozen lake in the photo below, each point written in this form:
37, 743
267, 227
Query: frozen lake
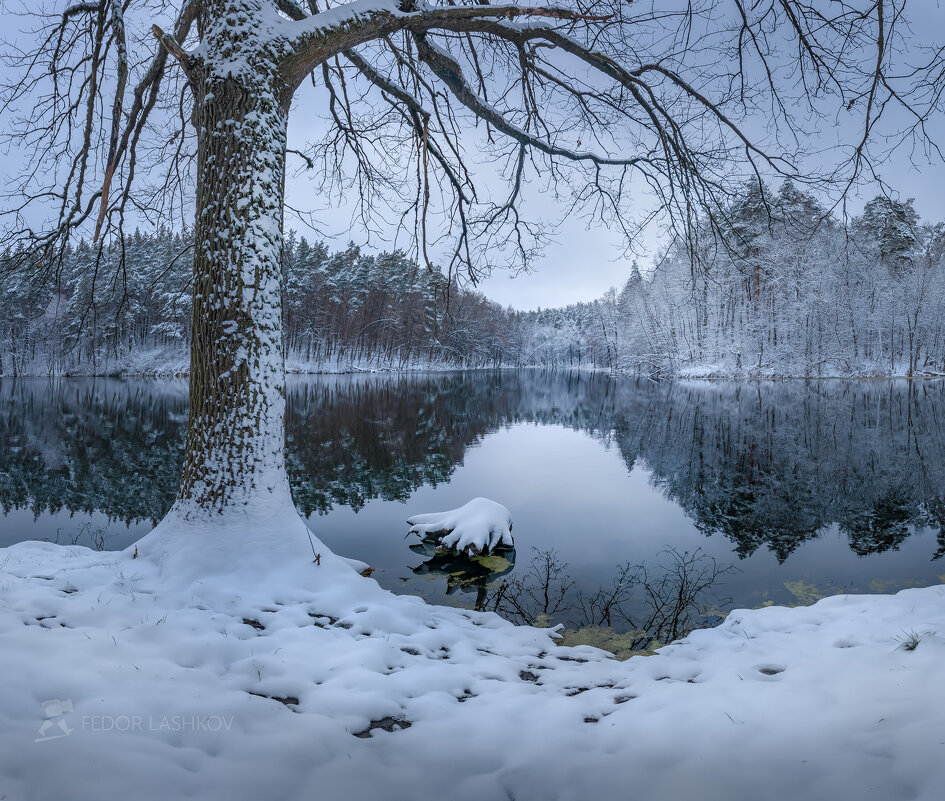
807, 488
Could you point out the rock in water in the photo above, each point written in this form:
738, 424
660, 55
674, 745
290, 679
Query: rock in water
475, 528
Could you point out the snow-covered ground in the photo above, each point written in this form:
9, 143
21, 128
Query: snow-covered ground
201, 667
171, 361
728, 371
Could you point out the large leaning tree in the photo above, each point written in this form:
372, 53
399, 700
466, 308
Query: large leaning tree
127, 110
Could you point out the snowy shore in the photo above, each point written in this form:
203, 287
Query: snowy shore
175, 362
163, 363
171, 362
151, 366
183, 672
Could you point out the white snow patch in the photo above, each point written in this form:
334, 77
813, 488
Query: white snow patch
474, 528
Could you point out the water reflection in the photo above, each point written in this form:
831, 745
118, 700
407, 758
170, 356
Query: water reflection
463, 573
106, 446
776, 465
765, 466
640, 608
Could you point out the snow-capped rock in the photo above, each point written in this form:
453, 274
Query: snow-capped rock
474, 528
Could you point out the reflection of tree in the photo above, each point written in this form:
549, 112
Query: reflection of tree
775, 465
936, 510
653, 605
354, 438
737, 517
762, 465
465, 573
87, 446
882, 526
351, 440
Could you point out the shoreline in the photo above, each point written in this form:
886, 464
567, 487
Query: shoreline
420, 369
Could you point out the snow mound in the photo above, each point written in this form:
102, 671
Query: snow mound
474, 528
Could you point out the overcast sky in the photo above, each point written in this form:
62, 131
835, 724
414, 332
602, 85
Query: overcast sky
584, 262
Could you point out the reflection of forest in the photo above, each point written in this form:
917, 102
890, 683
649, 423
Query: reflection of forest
761, 464
776, 464
86, 446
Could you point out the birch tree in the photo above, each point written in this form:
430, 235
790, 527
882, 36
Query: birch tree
130, 109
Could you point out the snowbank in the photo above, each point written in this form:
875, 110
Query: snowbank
785, 372
170, 361
186, 672
474, 528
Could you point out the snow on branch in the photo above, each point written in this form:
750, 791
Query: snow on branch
329, 33
448, 70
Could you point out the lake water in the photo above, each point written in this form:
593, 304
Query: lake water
806, 488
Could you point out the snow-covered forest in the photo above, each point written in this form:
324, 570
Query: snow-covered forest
236, 650
794, 293
127, 308
791, 293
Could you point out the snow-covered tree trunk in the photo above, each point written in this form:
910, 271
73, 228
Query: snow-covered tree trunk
235, 459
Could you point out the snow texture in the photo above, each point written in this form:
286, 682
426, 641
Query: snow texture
474, 528
220, 665
238, 270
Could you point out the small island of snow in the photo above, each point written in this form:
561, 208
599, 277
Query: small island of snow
475, 528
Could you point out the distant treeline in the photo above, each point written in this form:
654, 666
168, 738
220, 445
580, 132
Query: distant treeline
125, 307
787, 291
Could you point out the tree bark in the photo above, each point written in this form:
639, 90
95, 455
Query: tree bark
235, 453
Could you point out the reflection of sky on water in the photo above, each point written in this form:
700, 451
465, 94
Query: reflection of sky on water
67, 528
571, 492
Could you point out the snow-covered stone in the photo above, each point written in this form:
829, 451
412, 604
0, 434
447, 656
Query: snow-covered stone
477, 527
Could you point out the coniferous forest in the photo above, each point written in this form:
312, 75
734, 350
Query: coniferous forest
125, 307
790, 291
786, 290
